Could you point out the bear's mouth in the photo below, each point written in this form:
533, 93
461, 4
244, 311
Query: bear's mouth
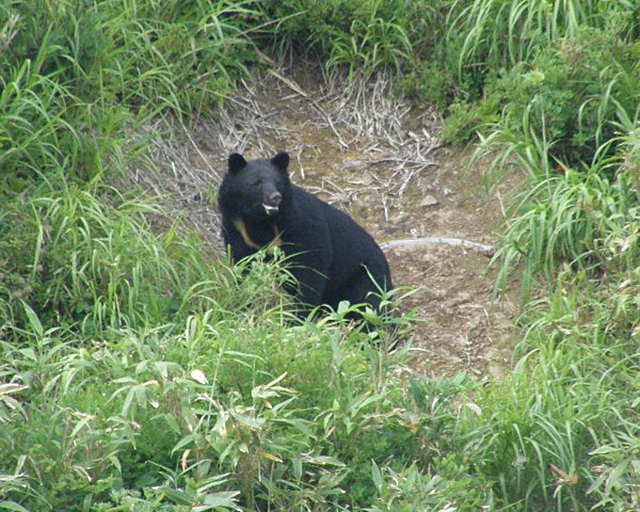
271, 209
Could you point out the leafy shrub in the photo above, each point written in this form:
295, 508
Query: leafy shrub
413, 489
500, 35
361, 36
431, 80
72, 256
465, 120
71, 35
571, 94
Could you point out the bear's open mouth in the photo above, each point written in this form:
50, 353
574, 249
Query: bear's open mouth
270, 209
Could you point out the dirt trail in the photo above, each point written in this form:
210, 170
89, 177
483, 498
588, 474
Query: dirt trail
377, 158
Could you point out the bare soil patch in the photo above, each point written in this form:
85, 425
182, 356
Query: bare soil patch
379, 158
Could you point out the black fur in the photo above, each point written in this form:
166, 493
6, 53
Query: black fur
329, 253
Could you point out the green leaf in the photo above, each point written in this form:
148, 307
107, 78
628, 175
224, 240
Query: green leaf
33, 319
297, 468
12, 505
325, 460
376, 476
221, 499
180, 497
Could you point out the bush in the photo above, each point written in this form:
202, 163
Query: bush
571, 95
573, 92
74, 257
362, 36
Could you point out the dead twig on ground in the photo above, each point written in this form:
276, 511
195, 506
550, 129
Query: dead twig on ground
483, 249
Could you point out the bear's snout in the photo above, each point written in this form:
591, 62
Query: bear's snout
272, 203
275, 199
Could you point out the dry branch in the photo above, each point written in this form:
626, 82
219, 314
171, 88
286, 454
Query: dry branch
486, 250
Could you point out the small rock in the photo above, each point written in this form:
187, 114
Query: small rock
355, 165
464, 297
429, 200
497, 372
431, 294
438, 293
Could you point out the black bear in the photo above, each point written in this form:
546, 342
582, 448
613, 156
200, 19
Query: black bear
330, 256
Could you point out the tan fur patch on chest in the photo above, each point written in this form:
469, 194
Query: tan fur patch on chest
241, 227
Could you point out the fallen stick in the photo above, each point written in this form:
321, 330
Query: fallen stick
486, 250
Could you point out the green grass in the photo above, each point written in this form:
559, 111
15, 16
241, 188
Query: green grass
180, 57
34, 132
562, 215
140, 372
230, 386
506, 33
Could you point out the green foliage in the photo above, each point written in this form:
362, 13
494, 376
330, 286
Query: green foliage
34, 134
432, 80
562, 214
184, 56
157, 55
630, 147
95, 410
363, 36
116, 334
465, 120
72, 256
573, 92
565, 216
409, 489
559, 432
566, 400
69, 31
502, 34
137, 372
371, 44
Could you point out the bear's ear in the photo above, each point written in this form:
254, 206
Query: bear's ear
236, 163
281, 161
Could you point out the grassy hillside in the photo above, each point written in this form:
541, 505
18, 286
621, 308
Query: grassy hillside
137, 372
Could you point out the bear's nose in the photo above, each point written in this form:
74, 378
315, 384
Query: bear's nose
275, 198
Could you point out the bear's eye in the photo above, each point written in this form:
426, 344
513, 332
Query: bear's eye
255, 184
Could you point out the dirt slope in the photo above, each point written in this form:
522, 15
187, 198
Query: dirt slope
378, 158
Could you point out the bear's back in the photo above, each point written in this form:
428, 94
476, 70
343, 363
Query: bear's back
351, 243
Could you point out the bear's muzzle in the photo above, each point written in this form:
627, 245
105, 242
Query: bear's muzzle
272, 205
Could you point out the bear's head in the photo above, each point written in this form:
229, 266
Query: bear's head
256, 189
